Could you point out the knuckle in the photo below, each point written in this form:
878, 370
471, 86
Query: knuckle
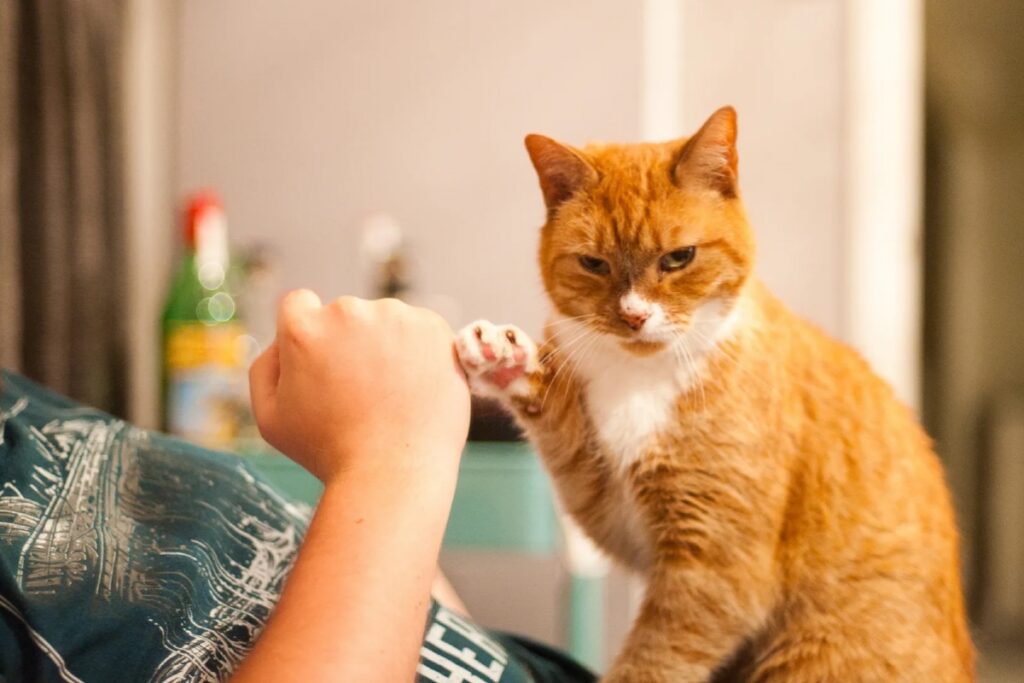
344, 304
336, 311
296, 331
392, 307
360, 308
350, 309
290, 300
292, 314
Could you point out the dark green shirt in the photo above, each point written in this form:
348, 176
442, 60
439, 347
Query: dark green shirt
127, 555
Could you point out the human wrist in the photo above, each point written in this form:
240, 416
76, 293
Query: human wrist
428, 467
416, 499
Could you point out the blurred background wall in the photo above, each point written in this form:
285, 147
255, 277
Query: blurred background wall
313, 116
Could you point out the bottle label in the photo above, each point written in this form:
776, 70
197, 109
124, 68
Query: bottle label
207, 391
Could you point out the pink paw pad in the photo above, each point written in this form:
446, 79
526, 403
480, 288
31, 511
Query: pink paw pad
495, 357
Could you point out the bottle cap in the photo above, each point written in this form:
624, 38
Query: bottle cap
199, 205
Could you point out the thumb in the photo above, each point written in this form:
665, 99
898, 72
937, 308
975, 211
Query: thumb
263, 378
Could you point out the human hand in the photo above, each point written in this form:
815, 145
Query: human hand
356, 385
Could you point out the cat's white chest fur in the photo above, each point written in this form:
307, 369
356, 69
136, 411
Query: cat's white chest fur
630, 399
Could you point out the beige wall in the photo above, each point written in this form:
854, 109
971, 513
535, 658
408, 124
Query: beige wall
309, 116
780, 64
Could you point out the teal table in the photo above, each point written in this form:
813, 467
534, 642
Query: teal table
503, 502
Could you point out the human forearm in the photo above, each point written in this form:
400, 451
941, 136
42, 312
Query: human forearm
354, 607
367, 396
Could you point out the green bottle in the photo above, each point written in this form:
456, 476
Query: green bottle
204, 342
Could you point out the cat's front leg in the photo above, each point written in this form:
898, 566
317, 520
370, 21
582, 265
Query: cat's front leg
504, 363
658, 650
693, 621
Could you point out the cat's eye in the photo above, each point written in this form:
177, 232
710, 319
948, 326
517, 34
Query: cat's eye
677, 260
594, 265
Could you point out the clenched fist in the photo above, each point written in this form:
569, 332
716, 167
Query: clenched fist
357, 384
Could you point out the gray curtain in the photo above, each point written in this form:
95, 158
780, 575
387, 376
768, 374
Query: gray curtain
62, 263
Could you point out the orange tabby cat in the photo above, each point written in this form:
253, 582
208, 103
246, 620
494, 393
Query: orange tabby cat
788, 513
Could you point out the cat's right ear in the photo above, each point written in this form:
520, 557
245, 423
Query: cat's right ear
562, 170
709, 159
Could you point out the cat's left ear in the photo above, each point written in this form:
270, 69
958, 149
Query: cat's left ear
562, 170
709, 159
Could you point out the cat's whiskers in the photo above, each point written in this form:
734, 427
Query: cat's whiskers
694, 370
676, 350
566, 348
563, 363
574, 319
581, 334
580, 358
719, 350
570, 351
558, 318
701, 374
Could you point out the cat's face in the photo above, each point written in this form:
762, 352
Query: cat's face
647, 242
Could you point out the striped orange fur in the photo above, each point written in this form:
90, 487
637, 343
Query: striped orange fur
788, 512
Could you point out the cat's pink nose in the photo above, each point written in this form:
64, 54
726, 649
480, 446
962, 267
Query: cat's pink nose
635, 319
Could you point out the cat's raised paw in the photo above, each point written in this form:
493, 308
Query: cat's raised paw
498, 359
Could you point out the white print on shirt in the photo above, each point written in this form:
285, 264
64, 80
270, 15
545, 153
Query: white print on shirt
446, 658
